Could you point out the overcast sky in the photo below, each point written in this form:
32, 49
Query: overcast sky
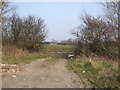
60, 17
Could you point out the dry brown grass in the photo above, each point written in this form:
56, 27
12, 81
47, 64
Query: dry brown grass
99, 71
18, 52
12, 54
13, 51
97, 59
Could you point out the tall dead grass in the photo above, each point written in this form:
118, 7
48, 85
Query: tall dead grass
13, 55
11, 50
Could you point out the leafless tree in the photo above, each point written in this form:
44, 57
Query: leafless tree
28, 32
16, 25
94, 32
25, 32
97, 32
34, 31
5, 10
112, 10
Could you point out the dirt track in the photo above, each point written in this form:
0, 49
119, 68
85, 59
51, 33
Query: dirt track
41, 74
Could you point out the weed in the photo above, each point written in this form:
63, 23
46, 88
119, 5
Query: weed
53, 59
20, 60
14, 55
102, 76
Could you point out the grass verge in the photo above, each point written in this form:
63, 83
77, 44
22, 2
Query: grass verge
20, 60
100, 74
14, 55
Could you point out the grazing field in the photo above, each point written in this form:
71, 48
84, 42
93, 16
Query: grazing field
55, 48
99, 73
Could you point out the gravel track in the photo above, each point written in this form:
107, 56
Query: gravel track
42, 74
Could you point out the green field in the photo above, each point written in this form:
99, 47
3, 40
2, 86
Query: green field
55, 48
